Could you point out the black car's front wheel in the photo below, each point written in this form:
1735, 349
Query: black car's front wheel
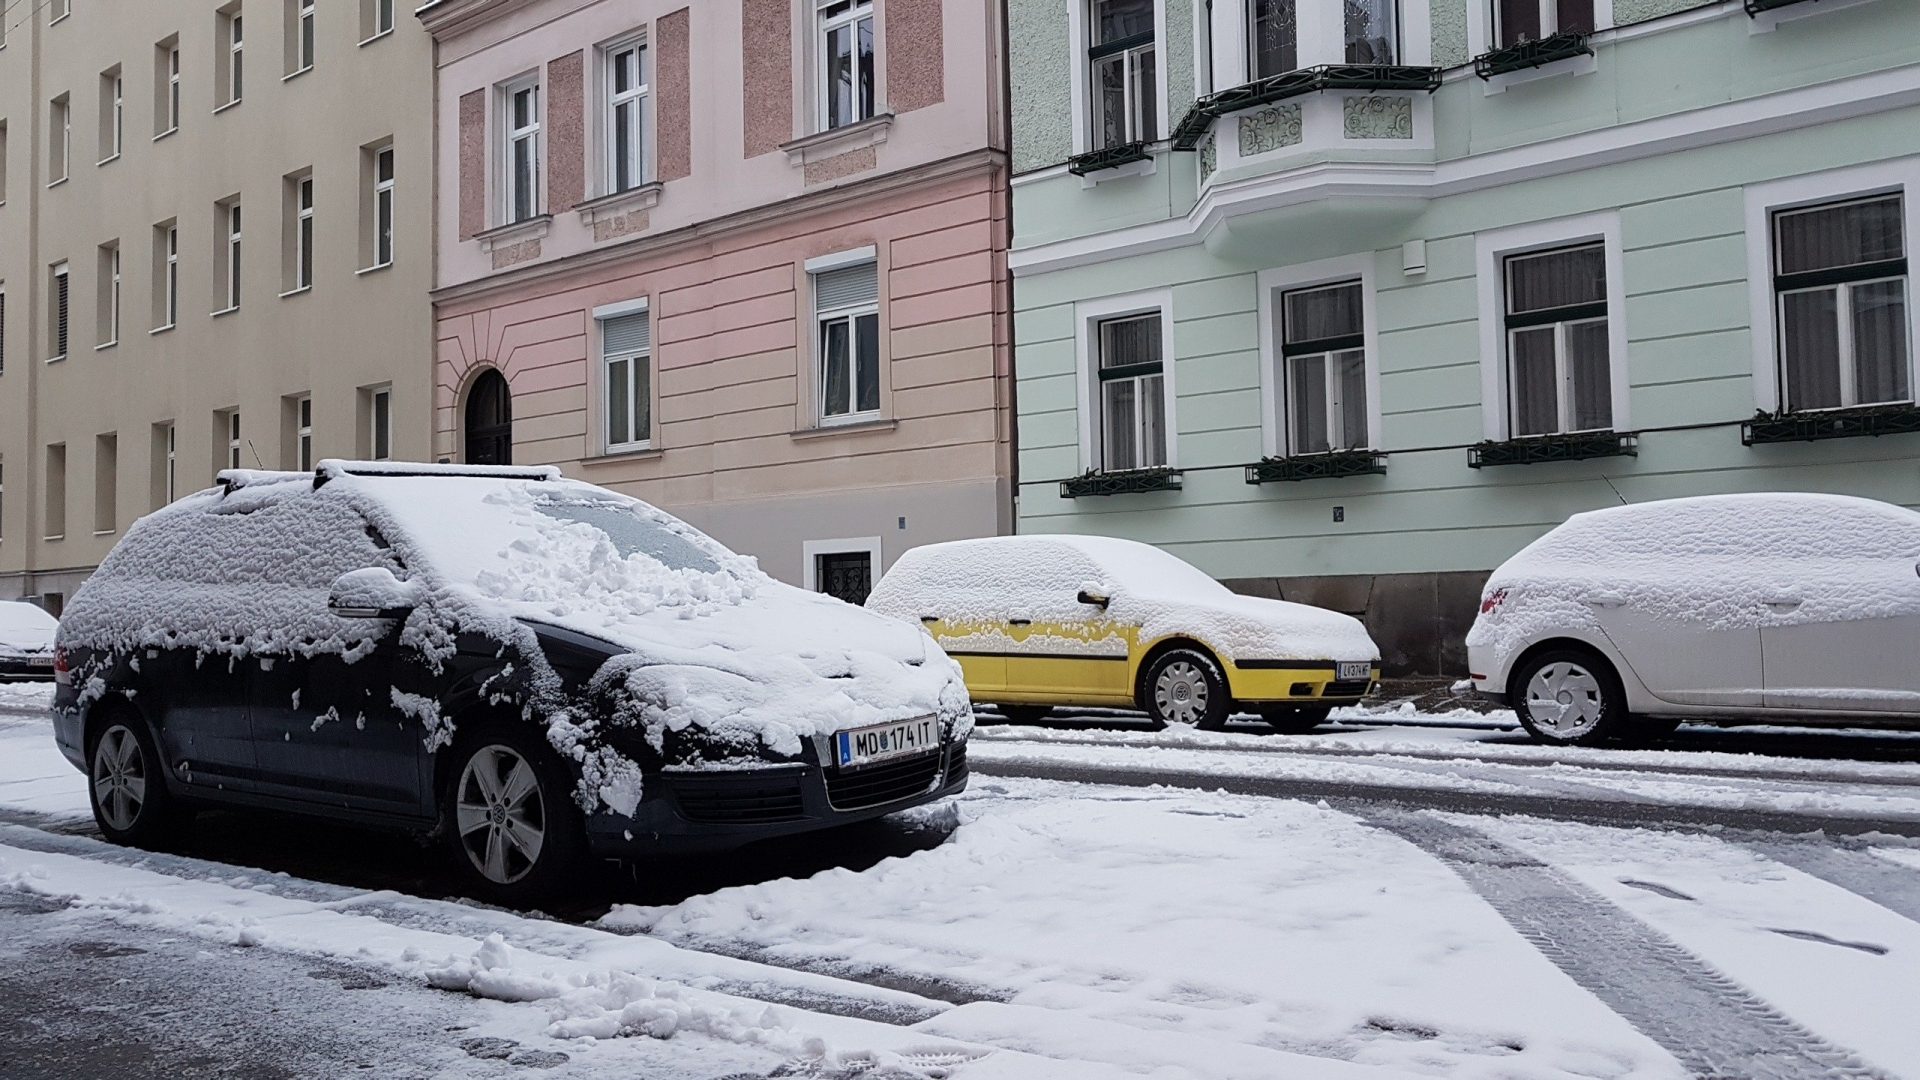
515, 827
126, 787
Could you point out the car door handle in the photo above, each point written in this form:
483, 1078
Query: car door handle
1788, 602
1607, 600
929, 618
1019, 622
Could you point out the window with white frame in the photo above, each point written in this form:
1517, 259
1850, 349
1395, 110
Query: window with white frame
228, 216
382, 239
1323, 368
58, 10
112, 114
1130, 392
380, 424
1273, 37
167, 88
376, 18
520, 150
229, 426
299, 207
1516, 21
107, 304
60, 138
59, 326
1558, 344
1121, 63
160, 472
3, 328
845, 44
300, 35
233, 40
166, 275
303, 432
627, 80
626, 364
847, 310
1840, 287
1372, 31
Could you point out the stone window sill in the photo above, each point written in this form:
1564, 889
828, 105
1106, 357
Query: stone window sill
501, 236
826, 144
607, 207
615, 457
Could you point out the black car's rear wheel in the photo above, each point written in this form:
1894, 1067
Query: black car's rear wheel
515, 828
126, 784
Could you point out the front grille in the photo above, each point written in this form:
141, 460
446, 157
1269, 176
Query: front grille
740, 798
1349, 688
957, 764
878, 785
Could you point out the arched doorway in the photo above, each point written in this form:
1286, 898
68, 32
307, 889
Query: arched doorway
489, 421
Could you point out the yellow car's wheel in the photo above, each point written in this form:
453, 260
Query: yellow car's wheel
1295, 719
1026, 714
1185, 687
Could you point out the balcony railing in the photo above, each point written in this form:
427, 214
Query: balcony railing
1107, 157
1541, 449
1875, 420
1532, 54
1290, 84
1756, 7
1128, 482
1329, 466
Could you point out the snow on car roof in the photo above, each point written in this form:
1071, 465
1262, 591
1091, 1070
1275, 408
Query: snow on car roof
1140, 568
1776, 524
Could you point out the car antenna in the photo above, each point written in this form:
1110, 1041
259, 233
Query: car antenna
258, 464
1616, 491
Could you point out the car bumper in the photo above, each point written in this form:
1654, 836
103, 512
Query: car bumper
710, 811
69, 728
26, 668
1298, 685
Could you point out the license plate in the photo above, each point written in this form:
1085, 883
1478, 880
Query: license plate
1354, 669
883, 742
40, 662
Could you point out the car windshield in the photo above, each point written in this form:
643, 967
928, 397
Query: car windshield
18, 616
631, 534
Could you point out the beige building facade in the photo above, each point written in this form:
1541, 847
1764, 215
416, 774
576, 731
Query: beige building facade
215, 251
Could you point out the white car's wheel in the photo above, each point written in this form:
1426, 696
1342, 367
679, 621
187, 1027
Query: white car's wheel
1571, 698
1184, 686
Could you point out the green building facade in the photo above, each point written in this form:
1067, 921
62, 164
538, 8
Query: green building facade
1346, 301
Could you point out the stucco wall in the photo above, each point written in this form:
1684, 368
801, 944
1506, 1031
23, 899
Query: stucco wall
1181, 89
1042, 71
1449, 32
1628, 12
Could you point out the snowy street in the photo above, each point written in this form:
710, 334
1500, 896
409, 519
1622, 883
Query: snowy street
1398, 894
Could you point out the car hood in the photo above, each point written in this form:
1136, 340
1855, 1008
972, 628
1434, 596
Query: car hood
25, 640
1250, 627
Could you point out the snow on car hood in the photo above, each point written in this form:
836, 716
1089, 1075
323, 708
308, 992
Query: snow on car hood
25, 628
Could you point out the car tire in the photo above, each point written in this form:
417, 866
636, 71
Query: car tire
127, 785
1026, 714
515, 831
1296, 719
1184, 687
1570, 697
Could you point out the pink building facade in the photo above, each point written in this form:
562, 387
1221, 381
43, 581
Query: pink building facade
744, 259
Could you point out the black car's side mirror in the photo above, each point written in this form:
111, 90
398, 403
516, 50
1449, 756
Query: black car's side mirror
1099, 600
373, 593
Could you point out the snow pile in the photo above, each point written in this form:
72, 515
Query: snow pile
1717, 561
25, 628
974, 586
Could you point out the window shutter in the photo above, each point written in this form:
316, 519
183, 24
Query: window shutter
848, 286
627, 335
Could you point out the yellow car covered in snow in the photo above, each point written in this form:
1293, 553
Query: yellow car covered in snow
1043, 621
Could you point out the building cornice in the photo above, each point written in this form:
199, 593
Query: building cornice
983, 160
445, 17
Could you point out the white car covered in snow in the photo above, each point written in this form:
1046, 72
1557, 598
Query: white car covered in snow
26, 641
1040, 621
1726, 608
529, 668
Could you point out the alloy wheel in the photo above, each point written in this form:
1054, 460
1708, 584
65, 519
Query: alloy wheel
1180, 693
501, 814
1565, 699
119, 777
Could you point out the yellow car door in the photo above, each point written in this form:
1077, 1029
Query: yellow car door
1066, 650
977, 648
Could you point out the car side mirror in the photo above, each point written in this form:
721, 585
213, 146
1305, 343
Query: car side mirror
1096, 599
372, 593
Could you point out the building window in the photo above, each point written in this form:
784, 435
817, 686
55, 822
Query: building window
227, 214
232, 79
166, 275
58, 10
1558, 345
1840, 287
521, 168
1121, 60
300, 36
1273, 36
1323, 357
298, 274
60, 325
1372, 31
226, 426
382, 236
60, 135
56, 492
3, 328
847, 310
380, 424
303, 432
106, 483
3, 161
626, 359
1130, 392
846, 62
627, 81
1517, 21
107, 305
376, 19
112, 114
166, 87
160, 474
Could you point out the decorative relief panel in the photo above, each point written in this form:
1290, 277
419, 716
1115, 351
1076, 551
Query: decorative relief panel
1377, 116
1209, 160
1271, 128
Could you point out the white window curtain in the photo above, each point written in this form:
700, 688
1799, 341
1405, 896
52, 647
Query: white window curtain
1558, 341
627, 350
1122, 60
1324, 363
1841, 280
1372, 31
1132, 393
1273, 37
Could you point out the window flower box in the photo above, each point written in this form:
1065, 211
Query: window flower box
1290, 84
1108, 157
1532, 54
1541, 449
1327, 466
1876, 420
1130, 482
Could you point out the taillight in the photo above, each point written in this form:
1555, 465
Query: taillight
1491, 603
62, 674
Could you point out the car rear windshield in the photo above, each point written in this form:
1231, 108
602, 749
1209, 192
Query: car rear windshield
631, 534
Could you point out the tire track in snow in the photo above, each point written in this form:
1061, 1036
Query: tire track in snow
1714, 1026
1864, 874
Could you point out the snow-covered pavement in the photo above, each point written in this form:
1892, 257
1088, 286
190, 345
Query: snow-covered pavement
1126, 929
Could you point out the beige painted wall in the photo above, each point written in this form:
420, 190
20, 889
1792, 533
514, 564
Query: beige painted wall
351, 331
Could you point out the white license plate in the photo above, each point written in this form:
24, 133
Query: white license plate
40, 662
1353, 669
883, 742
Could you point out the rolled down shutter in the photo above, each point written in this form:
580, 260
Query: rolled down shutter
627, 335
846, 286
